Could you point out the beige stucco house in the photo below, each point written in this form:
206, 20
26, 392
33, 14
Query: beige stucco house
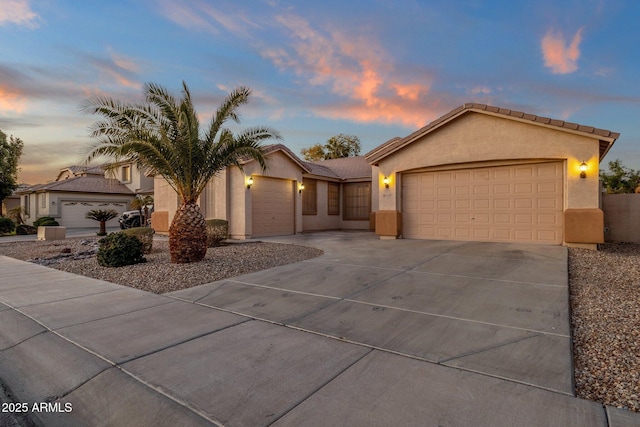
290, 197
483, 173
79, 189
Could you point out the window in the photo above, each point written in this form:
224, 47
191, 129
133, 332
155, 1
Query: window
26, 205
309, 197
357, 201
43, 201
333, 199
126, 173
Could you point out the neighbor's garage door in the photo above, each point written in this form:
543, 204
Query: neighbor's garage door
73, 212
519, 203
272, 207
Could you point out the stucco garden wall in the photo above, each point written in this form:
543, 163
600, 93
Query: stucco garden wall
621, 217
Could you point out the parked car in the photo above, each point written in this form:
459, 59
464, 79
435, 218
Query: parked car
131, 219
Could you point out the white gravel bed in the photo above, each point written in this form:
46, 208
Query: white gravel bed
158, 274
605, 320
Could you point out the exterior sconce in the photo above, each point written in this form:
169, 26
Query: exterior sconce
385, 181
300, 188
583, 170
249, 182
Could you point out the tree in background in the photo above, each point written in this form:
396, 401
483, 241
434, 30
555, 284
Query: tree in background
313, 153
620, 179
10, 152
163, 135
336, 147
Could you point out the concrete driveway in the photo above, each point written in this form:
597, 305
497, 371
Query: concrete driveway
374, 332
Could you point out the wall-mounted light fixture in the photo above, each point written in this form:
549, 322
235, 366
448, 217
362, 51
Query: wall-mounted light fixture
583, 170
300, 188
385, 181
249, 182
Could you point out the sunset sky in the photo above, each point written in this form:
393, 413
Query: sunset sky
376, 69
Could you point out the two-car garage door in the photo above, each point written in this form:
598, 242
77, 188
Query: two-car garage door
516, 203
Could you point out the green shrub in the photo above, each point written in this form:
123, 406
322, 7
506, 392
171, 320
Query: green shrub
144, 234
217, 231
7, 225
24, 229
119, 249
45, 221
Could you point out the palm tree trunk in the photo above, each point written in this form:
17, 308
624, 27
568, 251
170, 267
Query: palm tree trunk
103, 228
188, 234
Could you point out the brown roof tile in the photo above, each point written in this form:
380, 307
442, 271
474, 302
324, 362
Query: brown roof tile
345, 168
82, 184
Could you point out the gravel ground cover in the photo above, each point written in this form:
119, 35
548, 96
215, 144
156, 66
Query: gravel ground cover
158, 274
605, 321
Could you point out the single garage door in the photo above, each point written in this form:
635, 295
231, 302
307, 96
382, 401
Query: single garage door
73, 212
518, 203
273, 207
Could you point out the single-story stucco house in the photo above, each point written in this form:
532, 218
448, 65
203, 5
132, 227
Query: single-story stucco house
483, 173
79, 189
478, 173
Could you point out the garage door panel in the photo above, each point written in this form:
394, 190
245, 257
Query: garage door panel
549, 203
478, 204
462, 190
481, 204
523, 203
523, 188
501, 203
501, 189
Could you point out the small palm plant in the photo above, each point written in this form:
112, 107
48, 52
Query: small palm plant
102, 215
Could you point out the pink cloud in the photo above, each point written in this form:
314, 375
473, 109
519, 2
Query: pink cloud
352, 67
560, 57
18, 12
11, 100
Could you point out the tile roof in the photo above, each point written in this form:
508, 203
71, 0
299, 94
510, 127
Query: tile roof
272, 148
606, 137
82, 184
344, 168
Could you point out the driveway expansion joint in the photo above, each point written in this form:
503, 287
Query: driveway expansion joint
493, 347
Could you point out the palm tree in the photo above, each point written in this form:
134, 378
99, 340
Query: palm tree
102, 215
163, 136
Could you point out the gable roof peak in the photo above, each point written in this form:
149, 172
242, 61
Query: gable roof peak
606, 137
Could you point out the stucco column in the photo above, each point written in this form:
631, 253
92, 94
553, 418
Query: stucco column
388, 221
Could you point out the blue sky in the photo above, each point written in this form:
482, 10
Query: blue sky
376, 69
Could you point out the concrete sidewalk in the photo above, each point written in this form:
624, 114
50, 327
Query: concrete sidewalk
374, 332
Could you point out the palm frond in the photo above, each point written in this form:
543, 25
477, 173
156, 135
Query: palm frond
163, 135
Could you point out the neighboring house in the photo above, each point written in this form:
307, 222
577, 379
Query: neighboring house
290, 197
483, 173
79, 189
13, 201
